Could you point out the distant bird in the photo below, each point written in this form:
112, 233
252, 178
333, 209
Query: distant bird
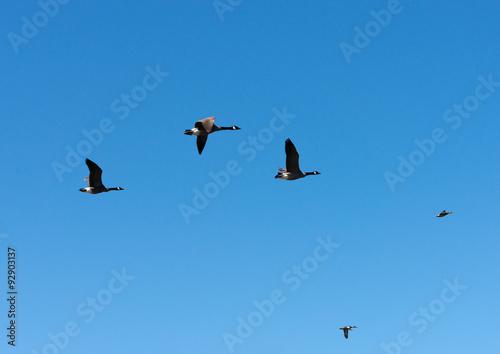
204, 127
94, 179
443, 213
346, 330
292, 164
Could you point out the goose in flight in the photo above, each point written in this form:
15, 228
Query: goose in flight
443, 213
346, 330
94, 179
292, 170
204, 127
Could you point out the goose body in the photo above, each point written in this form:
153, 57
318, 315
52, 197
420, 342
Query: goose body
94, 179
346, 330
443, 213
292, 170
203, 128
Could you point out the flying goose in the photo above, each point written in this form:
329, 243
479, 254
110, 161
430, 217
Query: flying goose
347, 329
94, 179
204, 127
443, 213
292, 164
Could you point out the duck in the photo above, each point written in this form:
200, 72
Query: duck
443, 213
346, 330
94, 179
203, 128
292, 170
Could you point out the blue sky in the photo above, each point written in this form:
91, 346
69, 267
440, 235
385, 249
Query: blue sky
401, 126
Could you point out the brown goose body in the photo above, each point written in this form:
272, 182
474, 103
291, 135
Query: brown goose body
443, 213
346, 330
203, 128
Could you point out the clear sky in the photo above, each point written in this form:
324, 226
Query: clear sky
395, 103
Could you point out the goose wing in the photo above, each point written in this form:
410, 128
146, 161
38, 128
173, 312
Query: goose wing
200, 142
292, 157
95, 174
206, 124
346, 333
